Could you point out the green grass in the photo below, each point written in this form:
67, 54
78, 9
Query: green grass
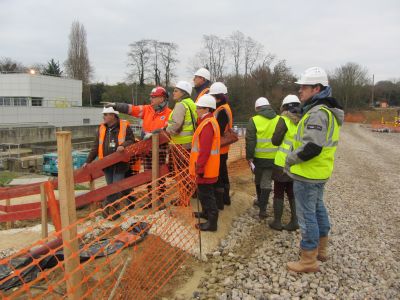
6, 177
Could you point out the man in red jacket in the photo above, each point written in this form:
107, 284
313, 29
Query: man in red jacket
204, 161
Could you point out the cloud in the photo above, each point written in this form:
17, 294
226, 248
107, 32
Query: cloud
305, 33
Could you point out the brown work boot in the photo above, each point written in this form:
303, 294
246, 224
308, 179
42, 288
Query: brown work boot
323, 249
308, 262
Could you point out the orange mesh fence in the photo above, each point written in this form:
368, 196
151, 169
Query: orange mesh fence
132, 257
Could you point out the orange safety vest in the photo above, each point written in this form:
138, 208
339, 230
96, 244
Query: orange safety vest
202, 93
152, 120
228, 110
123, 124
211, 169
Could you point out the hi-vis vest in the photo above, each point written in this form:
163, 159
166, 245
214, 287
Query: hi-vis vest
123, 124
211, 169
186, 135
287, 143
265, 129
321, 166
202, 93
228, 110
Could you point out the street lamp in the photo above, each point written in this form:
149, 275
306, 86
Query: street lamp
32, 71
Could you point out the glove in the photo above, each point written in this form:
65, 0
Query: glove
109, 104
147, 136
156, 131
121, 107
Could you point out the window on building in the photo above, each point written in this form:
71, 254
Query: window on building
7, 101
37, 102
20, 101
86, 121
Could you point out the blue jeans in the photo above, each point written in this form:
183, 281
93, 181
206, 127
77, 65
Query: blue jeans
311, 213
112, 175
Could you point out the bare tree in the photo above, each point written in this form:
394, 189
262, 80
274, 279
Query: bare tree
349, 83
9, 65
139, 58
77, 64
215, 54
253, 51
236, 44
155, 58
168, 54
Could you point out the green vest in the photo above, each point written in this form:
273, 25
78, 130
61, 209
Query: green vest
265, 129
321, 166
186, 135
287, 142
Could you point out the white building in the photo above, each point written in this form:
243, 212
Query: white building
30, 99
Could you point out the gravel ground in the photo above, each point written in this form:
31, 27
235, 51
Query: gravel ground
363, 200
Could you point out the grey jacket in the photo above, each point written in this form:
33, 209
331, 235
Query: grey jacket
315, 129
251, 138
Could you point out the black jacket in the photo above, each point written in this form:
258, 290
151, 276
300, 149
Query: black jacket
112, 135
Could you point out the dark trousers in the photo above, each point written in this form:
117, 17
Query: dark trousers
113, 175
205, 193
223, 178
281, 187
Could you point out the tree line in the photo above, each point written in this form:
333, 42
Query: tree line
240, 61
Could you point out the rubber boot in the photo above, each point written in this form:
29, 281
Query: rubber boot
308, 262
211, 224
258, 192
278, 210
200, 214
219, 197
227, 197
263, 203
293, 224
323, 249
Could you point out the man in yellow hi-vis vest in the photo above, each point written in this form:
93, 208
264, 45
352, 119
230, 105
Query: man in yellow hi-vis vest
310, 164
260, 152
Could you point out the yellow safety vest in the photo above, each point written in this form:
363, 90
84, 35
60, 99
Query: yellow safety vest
186, 135
287, 143
321, 166
265, 129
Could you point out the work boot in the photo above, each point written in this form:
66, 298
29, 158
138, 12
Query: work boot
263, 203
278, 210
293, 224
200, 214
258, 192
227, 197
211, 224
323, 249
219, 197
308, 262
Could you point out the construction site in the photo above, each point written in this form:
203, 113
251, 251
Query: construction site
53, 248
216, 150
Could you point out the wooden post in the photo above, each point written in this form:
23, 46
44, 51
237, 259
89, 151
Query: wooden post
43, 206
9, 224
68, 215
155, 168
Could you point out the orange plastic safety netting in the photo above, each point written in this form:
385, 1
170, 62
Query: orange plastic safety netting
132, 257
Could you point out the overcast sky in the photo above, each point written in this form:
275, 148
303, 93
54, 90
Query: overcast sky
305, 33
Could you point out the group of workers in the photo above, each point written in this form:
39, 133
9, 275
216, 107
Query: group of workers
294, 150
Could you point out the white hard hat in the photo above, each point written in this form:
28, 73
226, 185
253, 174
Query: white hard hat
218, 88
206, 101
203, 72
262, 101
313, 75
290, 99
185, 86
109, 110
